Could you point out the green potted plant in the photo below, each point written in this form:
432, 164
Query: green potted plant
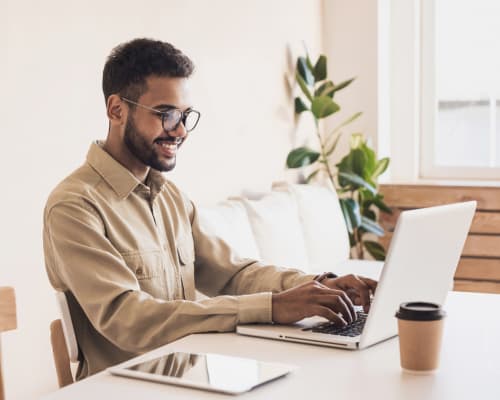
355, 176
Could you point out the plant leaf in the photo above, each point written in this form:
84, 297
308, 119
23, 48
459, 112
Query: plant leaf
371, 226
380, 168
350, 210
300, 106
352, 242
331, 149
303, 86
379, 202
342, 85
323, 106
356, 180
312, 175
304, 71
346, 122
345, 165
356, 140
308, 59
320, 69
370, 162
358, 162
325, 89
369, 214
300, 157
375, 249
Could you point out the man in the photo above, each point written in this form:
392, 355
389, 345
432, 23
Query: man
127, 247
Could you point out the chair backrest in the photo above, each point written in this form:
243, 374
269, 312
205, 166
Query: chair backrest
8, 321
63, 340
67, 327
60, 353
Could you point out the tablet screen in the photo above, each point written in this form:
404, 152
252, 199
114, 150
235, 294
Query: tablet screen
212, 371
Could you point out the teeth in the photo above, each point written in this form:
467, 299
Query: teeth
171, 146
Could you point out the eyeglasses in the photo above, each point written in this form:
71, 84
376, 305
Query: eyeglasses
172, 117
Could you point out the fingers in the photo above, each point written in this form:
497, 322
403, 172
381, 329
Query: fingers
327, 313
361, 288
339, 302
314, 298
358, 288
370, 282
336, 300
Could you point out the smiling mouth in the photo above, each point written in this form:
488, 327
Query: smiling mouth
168, 146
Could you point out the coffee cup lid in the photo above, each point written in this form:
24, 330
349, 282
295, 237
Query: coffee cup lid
420, 311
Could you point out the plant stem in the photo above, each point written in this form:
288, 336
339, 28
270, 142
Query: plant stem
323, 155
359, 240
359, 243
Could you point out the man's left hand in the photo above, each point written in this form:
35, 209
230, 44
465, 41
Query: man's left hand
359, 289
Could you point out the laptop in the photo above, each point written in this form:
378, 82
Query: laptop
420, 265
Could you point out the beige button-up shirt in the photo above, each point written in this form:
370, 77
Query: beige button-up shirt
129, 256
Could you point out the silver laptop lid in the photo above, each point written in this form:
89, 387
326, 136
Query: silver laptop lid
420, 263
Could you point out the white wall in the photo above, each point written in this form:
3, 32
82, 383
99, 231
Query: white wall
52, 108
351, 43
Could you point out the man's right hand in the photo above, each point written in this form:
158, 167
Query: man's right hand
310, 299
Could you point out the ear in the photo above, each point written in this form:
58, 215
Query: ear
116, 111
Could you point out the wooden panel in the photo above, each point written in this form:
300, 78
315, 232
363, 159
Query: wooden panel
487, 269
475, 245
8, 318
416, 196
388, 221
482, 246
479, 267
476, 286
385, 240
486, 222
483, 222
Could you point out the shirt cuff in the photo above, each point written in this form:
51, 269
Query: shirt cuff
255, 308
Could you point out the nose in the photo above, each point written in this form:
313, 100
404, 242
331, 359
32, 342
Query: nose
179, 131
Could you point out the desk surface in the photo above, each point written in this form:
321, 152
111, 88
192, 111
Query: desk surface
470, 365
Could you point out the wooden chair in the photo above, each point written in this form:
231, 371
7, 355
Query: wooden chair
8, 321
63, 340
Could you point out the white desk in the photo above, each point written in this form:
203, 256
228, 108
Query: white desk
470, 365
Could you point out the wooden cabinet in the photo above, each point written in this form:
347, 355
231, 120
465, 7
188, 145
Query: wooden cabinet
479, 266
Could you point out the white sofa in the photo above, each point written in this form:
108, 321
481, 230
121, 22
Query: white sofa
299, 226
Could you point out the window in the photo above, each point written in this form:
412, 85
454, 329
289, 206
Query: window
460, 89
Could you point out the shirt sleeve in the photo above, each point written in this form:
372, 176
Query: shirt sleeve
220, 270
81, 259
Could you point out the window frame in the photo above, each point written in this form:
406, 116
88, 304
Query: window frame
428, 110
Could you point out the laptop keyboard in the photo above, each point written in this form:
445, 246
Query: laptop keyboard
351, 330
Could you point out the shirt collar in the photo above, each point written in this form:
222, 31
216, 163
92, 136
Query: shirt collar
121, 180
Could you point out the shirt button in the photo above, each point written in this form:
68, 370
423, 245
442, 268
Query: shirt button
139, 271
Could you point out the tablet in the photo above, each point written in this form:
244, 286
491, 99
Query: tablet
214, 372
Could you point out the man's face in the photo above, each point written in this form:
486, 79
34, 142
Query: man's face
144, 136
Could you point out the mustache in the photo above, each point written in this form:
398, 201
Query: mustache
170, 139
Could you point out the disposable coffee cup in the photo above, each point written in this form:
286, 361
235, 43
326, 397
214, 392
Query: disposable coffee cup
420, 328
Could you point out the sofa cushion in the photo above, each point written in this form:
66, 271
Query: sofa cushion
277, 230
325, 233
229, 221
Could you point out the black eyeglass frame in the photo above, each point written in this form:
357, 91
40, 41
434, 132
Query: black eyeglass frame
182, 118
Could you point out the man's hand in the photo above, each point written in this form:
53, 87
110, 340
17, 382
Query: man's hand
310, 299
358, 288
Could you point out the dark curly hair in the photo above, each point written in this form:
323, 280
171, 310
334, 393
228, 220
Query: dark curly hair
130, 63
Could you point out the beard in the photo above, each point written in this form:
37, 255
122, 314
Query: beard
145, 152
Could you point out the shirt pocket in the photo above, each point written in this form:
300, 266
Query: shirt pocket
185, 251
149, 270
